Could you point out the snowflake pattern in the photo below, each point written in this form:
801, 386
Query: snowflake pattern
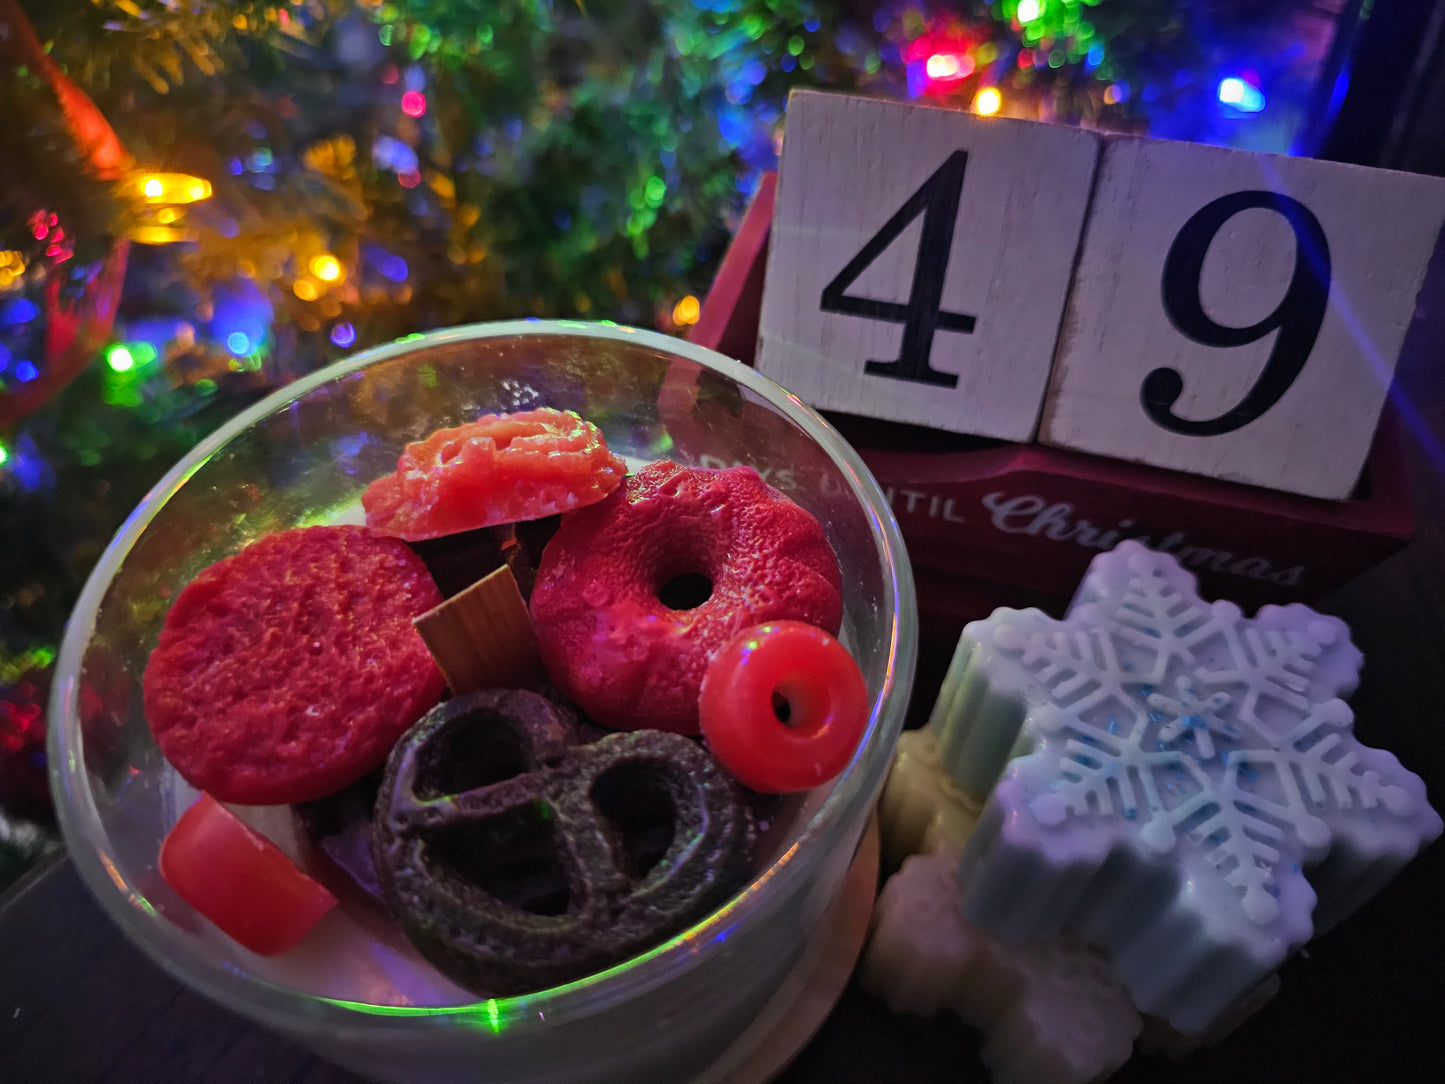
1205, 743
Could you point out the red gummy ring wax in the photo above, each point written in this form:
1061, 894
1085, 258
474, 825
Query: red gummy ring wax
613, 638
783, 706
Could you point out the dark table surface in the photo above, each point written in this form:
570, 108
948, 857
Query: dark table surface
1366, 1002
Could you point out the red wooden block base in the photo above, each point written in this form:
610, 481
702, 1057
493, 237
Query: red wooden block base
990, 524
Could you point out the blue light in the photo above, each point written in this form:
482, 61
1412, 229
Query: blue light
917, 75
20, 311
391, 153
238, 343
1243, 96
394, 268
25, 371
733, 125
343, 334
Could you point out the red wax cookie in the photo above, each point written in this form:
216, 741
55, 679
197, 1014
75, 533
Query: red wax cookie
636, 593
288, 671
500, 468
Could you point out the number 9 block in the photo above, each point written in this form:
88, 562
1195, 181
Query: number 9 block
1239, 315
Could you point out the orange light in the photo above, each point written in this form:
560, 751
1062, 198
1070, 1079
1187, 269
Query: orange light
987, 101
686, 311
172, 188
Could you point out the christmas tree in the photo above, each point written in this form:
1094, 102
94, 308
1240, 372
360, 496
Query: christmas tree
202, 201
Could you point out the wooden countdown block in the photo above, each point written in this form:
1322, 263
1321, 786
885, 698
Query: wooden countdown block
920, 259
1239, 315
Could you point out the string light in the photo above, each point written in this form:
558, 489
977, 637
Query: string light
158, 235
327, 268
686, 311
172, 188
946, 66
12, 268
1242, 95
988, 101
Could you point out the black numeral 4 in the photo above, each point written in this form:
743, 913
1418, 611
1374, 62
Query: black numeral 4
937, 201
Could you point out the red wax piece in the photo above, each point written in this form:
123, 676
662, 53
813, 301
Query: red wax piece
636, 593
289, 670
240, 880
501, 468
784, 668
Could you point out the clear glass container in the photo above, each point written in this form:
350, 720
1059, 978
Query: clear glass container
354, 991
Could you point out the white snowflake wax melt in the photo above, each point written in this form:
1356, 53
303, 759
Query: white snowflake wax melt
1186, 790
1051, 1011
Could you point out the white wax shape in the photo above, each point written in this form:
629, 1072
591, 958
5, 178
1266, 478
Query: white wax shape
1051, 1012
1180, 770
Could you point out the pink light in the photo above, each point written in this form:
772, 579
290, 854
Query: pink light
948, 66
410, 179
413, 103
917, 49
389, 74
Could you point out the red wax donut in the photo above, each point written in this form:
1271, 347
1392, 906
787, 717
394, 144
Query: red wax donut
637, 592
764, 669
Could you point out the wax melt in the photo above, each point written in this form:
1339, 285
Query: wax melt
1185, 791
922, 810
1052, 1012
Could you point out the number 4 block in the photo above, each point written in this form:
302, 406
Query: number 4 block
1239, 315
920, 261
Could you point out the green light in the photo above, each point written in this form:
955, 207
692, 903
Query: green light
4, 454
795, 45
656, 189
385, 35
494, 1015
120, 358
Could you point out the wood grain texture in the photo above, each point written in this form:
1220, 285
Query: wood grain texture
1380, 229
848, 165
482, 638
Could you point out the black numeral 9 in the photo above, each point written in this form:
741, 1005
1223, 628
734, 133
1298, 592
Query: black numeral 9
1297, 318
